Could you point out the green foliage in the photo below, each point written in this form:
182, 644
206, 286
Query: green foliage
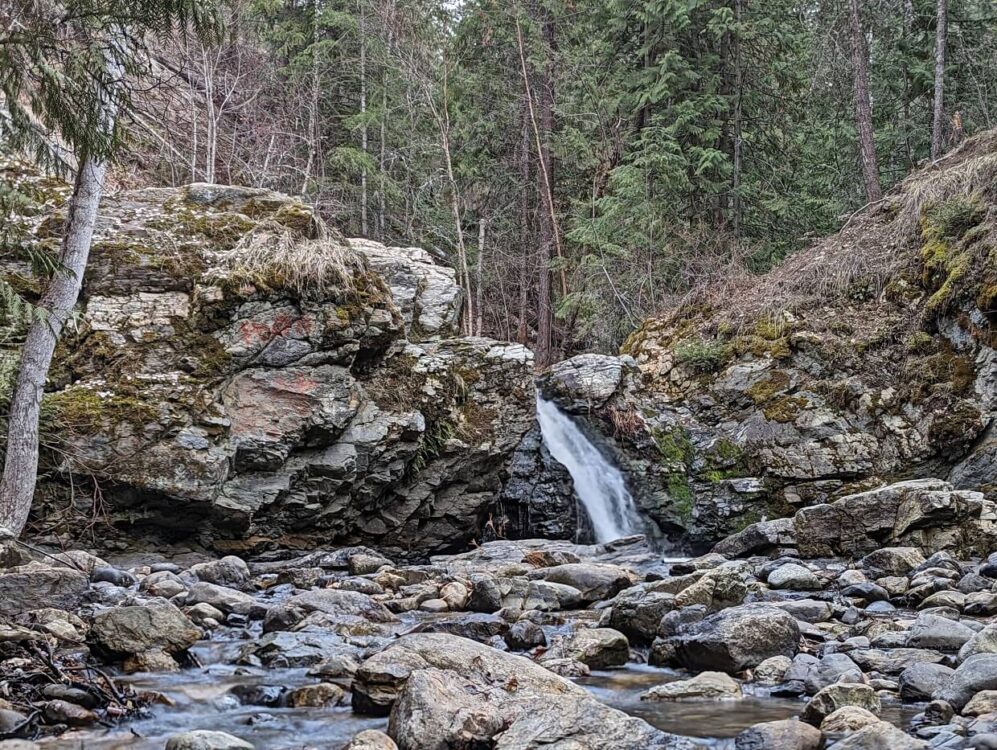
58, 73
702, 356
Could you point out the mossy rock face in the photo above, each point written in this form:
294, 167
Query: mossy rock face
204, 399
765, 389
959, 254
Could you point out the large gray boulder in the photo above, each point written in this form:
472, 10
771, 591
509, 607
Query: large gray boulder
759, 538
291, 399
206, 739
344, 608
155, 626
837, 696
787, 734
924, 513
595, 581
36, 586
444, 692
585, 381
371, 739
919, 682
426, 293
736, 639
978, 672
880, 736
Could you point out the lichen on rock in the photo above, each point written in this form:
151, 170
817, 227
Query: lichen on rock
240, 371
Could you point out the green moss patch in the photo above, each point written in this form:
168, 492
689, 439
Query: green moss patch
702, 356
785, 409
954, 237
764, 390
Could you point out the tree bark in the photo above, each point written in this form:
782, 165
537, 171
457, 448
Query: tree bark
443, 121
314, 123
363, 117
17, 486
735, 185
382, 161
908, 22
522, 331
937, 125
478, 287
863, 105
542, 124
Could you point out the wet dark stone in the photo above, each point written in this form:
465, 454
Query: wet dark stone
867, 591
524, 635
113, 575
259, 695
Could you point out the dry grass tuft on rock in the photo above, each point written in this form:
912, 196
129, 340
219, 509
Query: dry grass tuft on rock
273, 258
964, 172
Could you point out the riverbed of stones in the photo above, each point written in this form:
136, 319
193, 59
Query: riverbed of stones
481, 650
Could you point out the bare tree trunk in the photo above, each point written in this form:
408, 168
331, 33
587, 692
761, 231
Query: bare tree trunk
211, 145
543, 148
939, 108
443, 121
17, 486
547, 235
863, 105
363, 119
735, 184
314, 125
522, 332
908, 21
478, 290
382, 161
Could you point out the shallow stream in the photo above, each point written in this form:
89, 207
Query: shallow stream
200, 698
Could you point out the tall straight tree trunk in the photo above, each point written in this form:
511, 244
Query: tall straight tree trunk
863, 104
907, 14
478, 287
314, 122
363, 118
735, 183
522, 332
20, 470
542, 121
939, 106
550, 230
382, 161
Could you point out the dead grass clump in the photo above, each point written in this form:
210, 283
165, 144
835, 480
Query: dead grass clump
626, 422
271, 257
971, 169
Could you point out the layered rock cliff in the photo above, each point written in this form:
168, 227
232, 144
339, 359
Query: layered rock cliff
868, 359
240, 373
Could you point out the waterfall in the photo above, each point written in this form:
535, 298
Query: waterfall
599, 485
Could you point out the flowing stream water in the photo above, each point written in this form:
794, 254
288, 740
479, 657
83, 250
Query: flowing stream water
599, 485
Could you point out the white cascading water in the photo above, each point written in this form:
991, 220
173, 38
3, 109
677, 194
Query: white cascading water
599, 485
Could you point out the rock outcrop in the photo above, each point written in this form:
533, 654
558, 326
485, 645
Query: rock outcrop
866, 360
242, 372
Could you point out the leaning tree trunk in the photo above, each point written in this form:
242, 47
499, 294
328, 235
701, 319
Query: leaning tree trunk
863, 105
21, 465
939, 104
17, 486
